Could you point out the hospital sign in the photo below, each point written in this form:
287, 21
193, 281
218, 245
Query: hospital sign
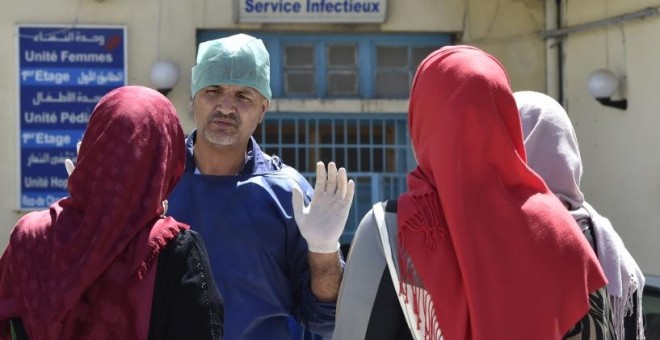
311, 11
62, 74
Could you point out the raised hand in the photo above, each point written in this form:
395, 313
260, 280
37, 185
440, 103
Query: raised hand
322, 222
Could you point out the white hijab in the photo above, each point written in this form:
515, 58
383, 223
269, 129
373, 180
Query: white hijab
553, 153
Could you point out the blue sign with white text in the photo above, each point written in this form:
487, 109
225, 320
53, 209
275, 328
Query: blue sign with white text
63, 72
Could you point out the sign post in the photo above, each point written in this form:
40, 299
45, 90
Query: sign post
63, 72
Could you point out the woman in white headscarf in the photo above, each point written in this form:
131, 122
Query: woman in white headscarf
553, 153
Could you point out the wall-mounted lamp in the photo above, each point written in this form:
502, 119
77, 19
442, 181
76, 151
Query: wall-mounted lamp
603, 84
164, 75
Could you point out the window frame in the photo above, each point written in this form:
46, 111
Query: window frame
366, 56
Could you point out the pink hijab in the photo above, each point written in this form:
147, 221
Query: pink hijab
499, 255
554, 154
85, 268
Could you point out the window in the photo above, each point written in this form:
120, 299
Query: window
395, 69
342, 70
374, 149
299, 70
362, 144
365, 66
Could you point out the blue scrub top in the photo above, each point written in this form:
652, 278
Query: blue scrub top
257, 254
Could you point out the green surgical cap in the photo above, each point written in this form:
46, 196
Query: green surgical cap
236, 60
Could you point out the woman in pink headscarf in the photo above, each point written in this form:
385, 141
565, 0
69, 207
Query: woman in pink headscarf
105, 262
553, 153
478, 247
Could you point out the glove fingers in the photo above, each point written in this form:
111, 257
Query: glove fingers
342, 180
68, 164
331, 185
350, 190
298, 203
321, 175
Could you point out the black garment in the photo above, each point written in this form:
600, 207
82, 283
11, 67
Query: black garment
186, 302
630, 321
387, 320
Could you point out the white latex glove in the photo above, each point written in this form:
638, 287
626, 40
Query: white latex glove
322, 222
68, 164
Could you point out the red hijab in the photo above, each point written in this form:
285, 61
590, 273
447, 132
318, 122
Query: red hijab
85, 268
499, 255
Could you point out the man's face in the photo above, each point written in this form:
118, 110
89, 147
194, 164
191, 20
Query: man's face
227, 115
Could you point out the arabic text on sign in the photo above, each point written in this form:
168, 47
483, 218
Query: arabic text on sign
70, 36
63, 97
71, 76
46, 158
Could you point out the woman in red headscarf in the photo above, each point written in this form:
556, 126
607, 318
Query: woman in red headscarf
478, 247
105, 262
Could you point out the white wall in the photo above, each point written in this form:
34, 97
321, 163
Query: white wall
620, 149
510, 31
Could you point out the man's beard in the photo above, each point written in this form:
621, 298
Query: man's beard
221, 139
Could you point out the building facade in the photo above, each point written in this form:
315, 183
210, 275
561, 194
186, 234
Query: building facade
341, 71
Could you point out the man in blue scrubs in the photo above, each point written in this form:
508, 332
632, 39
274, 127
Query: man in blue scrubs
273, 256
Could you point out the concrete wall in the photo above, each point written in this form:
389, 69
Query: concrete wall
619, 148
510, 31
